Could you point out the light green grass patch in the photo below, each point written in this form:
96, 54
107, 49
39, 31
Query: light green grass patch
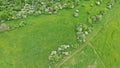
107, 43
85, 58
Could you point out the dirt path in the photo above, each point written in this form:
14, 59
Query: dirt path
95, 51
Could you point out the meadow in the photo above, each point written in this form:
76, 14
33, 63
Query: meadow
30, 46
102, 51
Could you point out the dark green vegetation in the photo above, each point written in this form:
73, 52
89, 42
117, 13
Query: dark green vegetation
30, 46
16, 9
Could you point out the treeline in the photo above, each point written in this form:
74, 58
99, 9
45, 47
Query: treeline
10, 8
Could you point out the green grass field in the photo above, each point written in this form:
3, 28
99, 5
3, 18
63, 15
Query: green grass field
103, 50
30, 46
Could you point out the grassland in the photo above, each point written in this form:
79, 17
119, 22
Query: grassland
30, 46
102, 51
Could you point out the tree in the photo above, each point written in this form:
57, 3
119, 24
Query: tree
4, 15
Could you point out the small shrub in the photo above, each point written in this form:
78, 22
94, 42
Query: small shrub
76, 14
3, 27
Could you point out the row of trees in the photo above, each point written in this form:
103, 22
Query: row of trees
10, 8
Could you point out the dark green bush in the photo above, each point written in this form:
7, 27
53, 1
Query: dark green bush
4, 15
